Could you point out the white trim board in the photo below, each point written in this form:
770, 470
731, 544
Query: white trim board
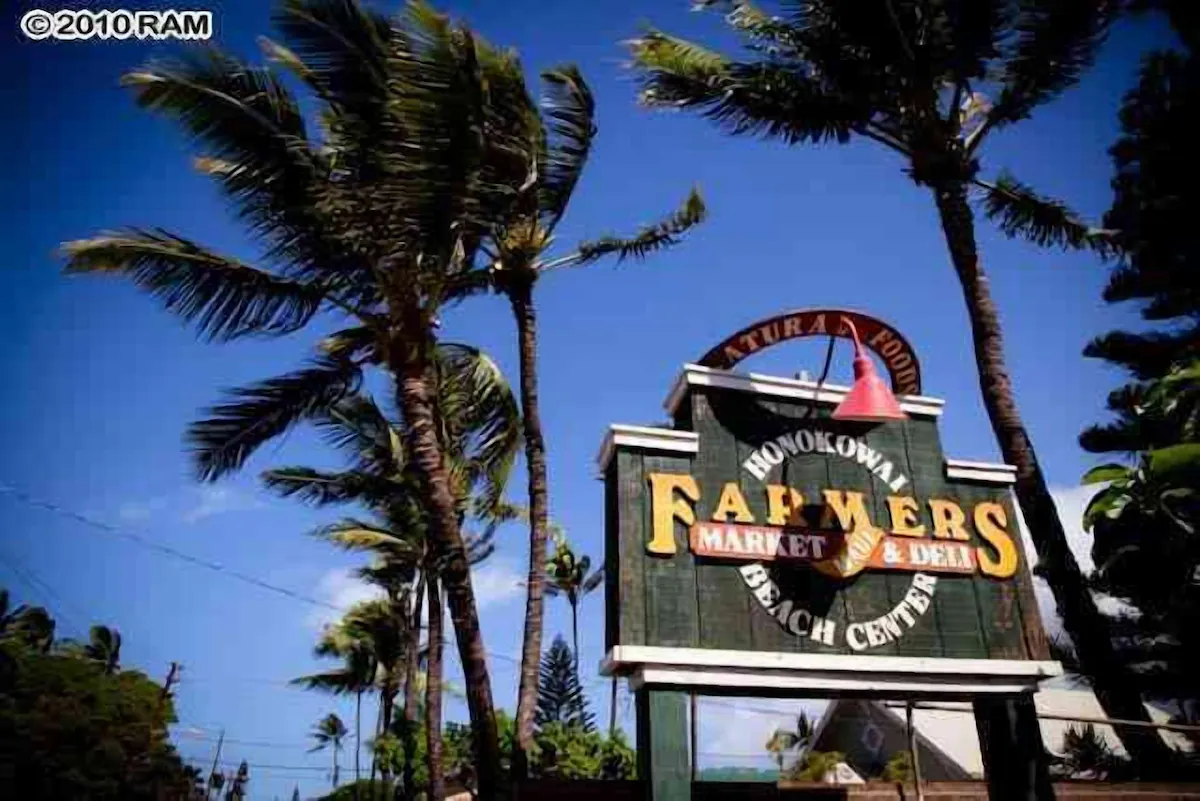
695, 375
630, 655
985, 472
797, 674
647, 438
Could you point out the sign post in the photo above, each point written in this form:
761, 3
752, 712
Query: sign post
759, 547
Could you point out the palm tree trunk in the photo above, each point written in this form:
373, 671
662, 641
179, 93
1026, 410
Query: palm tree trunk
612, 709
521, 296
575, 637
412, 657
357, 742
335, 766
1114, 685
387, 695
416, 401
433, 696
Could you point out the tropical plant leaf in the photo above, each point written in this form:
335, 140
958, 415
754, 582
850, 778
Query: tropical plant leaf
222, 297
1176, 463
1055, 42
256, 414
1020, 212
252, 129
571, 111
1105, 473
651, 238
768, 99
322, 488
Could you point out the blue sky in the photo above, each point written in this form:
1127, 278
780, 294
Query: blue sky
101, 383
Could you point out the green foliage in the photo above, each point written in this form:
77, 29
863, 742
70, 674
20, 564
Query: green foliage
570, 575
560, 696
70, 728
561, 751
1087, 755
899, 768
738, 774
362, 790
814, 766
783, 741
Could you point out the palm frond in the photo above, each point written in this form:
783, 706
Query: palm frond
764, 98
321, 488
480, 418
253, 415
357, 535
571, 111
222, 297
1055, 42
651, 238
1020, 212
245, 118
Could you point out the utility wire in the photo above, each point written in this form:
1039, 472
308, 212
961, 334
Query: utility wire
99, 525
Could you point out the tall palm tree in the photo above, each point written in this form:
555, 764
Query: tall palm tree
571, 576
376, 219
479, 430
520, 254
360, 639
104, 646
929, 82
329, 733
784, 740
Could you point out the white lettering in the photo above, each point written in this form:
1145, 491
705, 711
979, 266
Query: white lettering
846, 447
771, 453
868, 456
804, 440
757, 466
853, 635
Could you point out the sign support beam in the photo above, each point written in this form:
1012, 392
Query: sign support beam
662, 738
1014, 759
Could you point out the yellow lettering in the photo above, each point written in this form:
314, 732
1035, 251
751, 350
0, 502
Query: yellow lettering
990, 522
666, 508
732, 503
785, 506
848, 508
903, 510
948, 519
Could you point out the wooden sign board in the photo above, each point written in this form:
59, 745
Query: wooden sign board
759, 524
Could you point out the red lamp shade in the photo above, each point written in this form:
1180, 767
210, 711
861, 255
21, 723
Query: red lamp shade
870, 399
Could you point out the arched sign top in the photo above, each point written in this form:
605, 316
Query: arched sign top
877, 336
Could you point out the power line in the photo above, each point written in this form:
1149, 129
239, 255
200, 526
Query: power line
30, 578
107, 528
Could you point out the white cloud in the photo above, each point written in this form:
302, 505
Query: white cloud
1070, 502
217, 500
734, 731
340, 588
496, 582
140, 511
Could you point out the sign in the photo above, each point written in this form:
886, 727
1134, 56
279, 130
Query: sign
886, 342
758, 523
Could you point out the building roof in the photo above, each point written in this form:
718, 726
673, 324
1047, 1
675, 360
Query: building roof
950, 731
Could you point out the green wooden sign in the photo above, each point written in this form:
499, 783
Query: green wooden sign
758, 523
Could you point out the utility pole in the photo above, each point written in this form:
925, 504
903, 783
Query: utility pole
216, 759
172, 678
912, 750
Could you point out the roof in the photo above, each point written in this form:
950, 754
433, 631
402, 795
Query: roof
950, 728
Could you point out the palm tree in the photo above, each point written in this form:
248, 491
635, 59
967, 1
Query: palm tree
479, 431
30, 625
359, 638
916, 79
377, 219
519, 254
329, 733
572, 577
798, 739
104, 646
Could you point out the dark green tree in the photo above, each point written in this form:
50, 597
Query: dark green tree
329, 733
572, 577
520, 253
374, 217
69, 728
929, 82
560, 696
